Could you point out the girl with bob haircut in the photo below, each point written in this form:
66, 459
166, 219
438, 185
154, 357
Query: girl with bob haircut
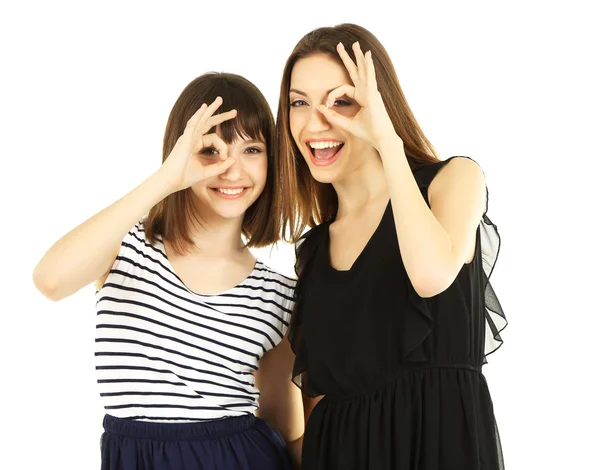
394, 313
189, 324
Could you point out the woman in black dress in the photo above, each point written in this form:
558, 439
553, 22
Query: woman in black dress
395, 314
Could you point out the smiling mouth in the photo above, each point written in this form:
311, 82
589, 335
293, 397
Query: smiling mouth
230, 193
324, 153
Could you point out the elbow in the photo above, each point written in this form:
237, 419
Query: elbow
430, 284
433, 276
46, 284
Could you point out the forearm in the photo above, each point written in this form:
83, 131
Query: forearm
425, 246
87, 252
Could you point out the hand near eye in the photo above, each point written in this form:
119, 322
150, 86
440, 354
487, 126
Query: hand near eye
183, 167
372, 123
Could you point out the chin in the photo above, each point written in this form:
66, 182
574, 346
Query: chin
323, 178
325, 175
231, 210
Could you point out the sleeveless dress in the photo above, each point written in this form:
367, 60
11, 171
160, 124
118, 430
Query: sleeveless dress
401, 374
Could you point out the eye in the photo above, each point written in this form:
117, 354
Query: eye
254, 150
209, 154
298, 103
209, 151
342, 102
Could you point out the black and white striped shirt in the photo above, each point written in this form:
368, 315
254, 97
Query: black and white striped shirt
165, 353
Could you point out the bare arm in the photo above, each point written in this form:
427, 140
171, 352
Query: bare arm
86, 253
280, 400
436, 242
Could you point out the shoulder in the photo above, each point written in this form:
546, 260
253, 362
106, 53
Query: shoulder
277, 291
136, 241
312, 236
307, 245
457, 167
458, 174
458, 170
458, 190
267, 273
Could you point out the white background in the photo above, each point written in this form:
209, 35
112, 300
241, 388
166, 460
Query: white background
86, 88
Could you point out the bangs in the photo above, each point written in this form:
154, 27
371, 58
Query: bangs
253, 115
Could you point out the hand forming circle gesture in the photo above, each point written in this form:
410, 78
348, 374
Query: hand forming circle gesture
372, 122
183, 167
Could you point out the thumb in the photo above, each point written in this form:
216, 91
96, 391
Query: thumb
335, 118
219, 167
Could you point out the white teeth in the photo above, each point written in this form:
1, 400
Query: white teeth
324, 145
230, 191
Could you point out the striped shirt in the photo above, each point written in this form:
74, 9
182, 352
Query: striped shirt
165, 353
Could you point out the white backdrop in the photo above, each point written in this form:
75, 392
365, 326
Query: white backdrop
85, 92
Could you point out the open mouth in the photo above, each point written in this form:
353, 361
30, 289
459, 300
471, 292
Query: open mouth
230, 193
324, 153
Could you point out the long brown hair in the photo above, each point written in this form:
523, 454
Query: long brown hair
172, 217
304, 200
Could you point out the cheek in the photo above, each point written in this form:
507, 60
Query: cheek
297, 124
258, 171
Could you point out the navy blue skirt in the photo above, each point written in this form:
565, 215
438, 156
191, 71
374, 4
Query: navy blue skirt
237, 443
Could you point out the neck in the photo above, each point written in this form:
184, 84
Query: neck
214, 236
362, 186
217, 236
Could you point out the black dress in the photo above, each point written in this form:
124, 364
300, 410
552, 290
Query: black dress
401, 374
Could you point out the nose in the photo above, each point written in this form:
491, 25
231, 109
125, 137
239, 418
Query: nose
317, 121
235, 171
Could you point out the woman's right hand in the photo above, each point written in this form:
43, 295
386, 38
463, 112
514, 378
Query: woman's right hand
183, 167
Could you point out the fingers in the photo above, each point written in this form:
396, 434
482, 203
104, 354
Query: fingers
360, 61
218, 168
202, 114
336, 119
203, 120
371, 77
191, 124
339, 92
208, 112
364, 69
348, 63
224, 162
213, 121
213, 107
213, 140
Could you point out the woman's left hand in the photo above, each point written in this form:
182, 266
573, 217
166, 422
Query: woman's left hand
372, 123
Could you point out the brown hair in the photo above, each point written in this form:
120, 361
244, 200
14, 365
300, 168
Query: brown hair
304, 200
171, 218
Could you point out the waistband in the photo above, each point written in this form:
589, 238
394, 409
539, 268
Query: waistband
178, 431
405, 371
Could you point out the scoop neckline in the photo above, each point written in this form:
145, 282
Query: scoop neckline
361, 255
169, 266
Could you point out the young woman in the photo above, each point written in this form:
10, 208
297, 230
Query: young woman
189, 323
394, 312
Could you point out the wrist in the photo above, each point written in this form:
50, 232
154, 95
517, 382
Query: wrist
389, 144
162, 184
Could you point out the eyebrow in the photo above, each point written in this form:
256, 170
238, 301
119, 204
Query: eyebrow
294, 90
